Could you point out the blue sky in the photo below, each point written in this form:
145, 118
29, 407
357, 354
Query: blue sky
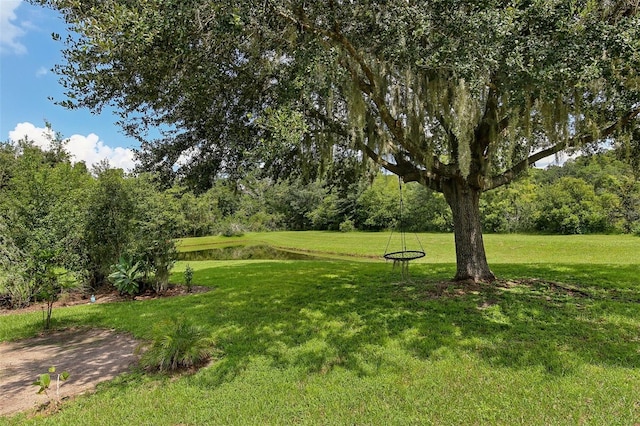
27, 55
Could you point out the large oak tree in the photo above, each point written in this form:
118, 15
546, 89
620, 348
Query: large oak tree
459, 95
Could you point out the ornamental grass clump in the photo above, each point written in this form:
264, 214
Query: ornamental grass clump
178, 344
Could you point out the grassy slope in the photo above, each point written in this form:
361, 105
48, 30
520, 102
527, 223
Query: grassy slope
343, 342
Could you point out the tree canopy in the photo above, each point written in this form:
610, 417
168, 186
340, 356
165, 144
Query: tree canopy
461, 95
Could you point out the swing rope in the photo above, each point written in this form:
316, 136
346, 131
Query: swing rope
403, 255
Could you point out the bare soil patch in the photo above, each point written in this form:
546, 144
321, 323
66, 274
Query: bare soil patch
89, 355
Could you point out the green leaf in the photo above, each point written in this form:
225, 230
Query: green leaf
64, 375
44, 380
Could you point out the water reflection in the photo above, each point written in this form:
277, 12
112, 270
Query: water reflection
259, 252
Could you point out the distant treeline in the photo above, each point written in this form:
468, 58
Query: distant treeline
591, 194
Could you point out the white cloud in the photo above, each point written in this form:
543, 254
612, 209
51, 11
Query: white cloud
10, 31
89, 149
92, 150
186, 156
556, 160
39, 135
42, 71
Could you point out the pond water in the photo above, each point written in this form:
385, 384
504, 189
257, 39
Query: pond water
259, 252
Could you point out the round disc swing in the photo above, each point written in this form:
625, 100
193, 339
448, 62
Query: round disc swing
403, 256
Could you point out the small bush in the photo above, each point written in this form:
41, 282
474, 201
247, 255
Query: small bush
347, 226
232, 229
125, 276
18, 291
178, 344
188, 277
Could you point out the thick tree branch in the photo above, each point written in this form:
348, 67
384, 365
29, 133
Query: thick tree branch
487, 125
579, 140
405, 169
341, 130
447, 129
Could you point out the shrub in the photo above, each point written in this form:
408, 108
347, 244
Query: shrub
49, 279
232, 229
125, 276
18, 291
15, 287
178, 344
188, 277
347, 226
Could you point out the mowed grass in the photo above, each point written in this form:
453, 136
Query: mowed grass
501, 248
347, 342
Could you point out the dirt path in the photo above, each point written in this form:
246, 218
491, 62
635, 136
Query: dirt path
89, 355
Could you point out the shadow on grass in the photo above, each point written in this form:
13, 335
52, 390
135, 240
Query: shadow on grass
318, 315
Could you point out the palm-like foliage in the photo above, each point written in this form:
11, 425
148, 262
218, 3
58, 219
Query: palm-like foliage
178, 344
125, 276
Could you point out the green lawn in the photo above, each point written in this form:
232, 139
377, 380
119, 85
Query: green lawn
345, 342
509, 248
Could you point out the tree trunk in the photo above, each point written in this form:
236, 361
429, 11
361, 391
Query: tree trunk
471, 259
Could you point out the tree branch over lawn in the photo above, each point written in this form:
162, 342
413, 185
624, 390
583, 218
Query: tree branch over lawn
625, 121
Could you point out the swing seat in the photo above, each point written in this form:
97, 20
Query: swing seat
405, 255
